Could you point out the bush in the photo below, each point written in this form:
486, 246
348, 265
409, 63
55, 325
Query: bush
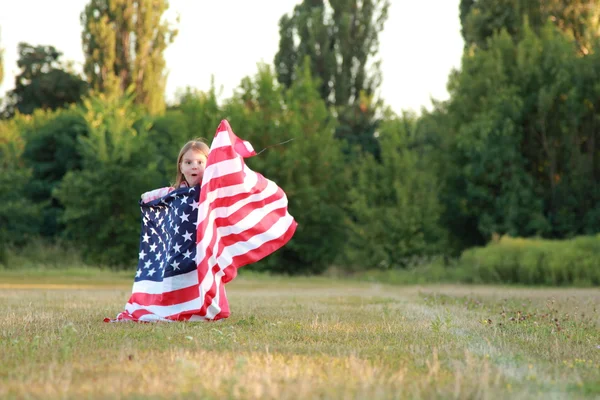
535, 261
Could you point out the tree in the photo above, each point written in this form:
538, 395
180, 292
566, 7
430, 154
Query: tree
308, 168
51, 151
579, 19
123, 44
340, 38
19, 219
1, 65
44, 82
101, 200
520, 139
393, 212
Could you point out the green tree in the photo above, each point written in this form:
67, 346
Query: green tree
19, 219
44, 82
101, 200
309, 168
393, 213
51, 151
123, 44
519, 138
1, 65
579, 19
340, 38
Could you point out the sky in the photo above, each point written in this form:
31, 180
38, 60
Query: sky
419, 46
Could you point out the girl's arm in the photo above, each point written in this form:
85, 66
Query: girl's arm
156, 194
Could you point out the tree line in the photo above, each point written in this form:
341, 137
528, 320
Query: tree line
513, 151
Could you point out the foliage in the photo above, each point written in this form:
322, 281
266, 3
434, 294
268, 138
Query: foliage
340, 40
124, 44
393, 212
535, 262
51, 151
520, 137
1, 64
578, 19
100, 200
19, 219
44, 82
309, 168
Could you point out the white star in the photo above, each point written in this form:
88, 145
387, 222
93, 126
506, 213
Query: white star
192, 189
153, 231
147, 216
148, 264
153, 247
184, 199
158, 255
157, 213
177, 248
138, 273
142, 255
195, 205
197, 222
176, 229
175, 265
146, 238
151, 272
184, 217
160, 220
187, 254
187, 236
145, 222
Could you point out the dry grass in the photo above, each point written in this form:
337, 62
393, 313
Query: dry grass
302, 339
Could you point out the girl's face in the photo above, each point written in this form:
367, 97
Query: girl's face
192, 166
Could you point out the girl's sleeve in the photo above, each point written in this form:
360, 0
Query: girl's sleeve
156, 194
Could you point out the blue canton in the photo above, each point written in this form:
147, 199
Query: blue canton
168, 238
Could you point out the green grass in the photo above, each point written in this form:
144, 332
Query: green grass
299, 338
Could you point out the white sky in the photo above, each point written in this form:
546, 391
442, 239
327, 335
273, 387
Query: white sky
419, 46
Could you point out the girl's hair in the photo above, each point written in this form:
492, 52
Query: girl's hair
197, 144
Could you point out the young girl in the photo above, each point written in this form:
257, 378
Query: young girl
190, 169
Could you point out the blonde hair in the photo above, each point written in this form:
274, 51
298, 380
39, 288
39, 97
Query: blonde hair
197, 144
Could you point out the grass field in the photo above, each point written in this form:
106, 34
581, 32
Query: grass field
300, 338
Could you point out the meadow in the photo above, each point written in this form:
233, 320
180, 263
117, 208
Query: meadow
300, 338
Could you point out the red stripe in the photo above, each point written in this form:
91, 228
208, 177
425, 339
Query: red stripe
247, 258
233, 219
264, 250
167, 298
265, 224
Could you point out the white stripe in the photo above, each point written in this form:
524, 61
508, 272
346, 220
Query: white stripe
222, 168
223, 212
221, 140
213, 309
168, 284
153, 318
248, 146
165, 311
239, 248
250, 180
252, 218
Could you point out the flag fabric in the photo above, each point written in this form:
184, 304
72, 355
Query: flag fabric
193, 239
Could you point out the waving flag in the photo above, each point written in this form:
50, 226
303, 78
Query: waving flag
193, 240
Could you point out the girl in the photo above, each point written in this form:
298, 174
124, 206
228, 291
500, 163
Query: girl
190, 169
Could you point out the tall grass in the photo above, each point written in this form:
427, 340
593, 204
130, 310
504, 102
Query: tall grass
535, 262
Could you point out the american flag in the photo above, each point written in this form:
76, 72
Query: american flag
194, 239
